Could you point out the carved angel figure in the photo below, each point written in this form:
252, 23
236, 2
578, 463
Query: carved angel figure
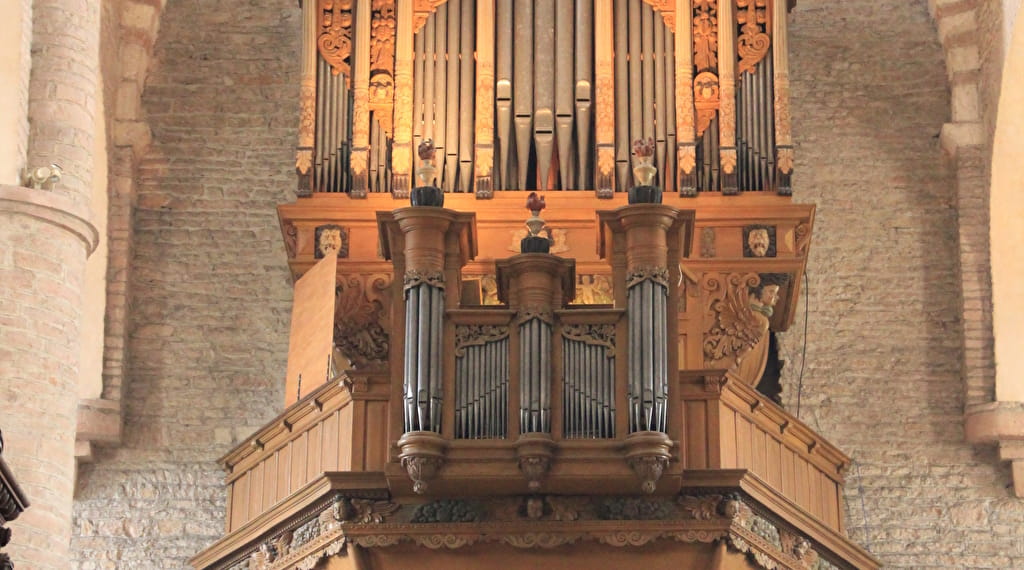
362, 511
738, 339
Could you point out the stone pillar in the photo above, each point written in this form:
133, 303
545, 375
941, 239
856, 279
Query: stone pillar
44, 242
45, 238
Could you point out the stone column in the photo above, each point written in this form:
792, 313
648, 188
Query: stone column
45, 238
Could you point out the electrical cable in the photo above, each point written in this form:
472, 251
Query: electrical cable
803, 356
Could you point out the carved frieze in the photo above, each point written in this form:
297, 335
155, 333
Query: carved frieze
707, 242
335, 38
449, 511
753, 40
477, 335
597, 334
360, 315
415, 277
638, 275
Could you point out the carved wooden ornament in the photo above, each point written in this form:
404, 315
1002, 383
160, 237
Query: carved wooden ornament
335, 40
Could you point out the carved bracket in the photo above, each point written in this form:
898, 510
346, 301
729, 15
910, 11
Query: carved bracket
422, 456
648, 454
535, 451
361, 312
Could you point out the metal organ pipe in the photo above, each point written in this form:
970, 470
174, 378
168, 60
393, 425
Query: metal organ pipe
622, 114
466, 96
453, 88
441, 87
523, 85
564, 75
583, 94
503, 90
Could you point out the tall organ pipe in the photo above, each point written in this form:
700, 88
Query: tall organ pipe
453, 88
564, 75
647, 68
523, 85
660, 96
467, 100
441, 86
417, 91
622, 109
584, 58
544, 87
503, 90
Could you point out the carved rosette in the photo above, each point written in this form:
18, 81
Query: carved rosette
648, 454
422, 456
640, 274
335, 39
753, 40
416, 277
534, 451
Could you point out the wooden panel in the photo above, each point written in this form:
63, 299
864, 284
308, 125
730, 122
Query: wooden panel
345, 438
239, 506
256, 491
743, 429
329, 456
788, 475
773, 468
298, 463
312, 329
728, 435
313, 450
284, 470
757, 447
696, 429
376, 435
270, 481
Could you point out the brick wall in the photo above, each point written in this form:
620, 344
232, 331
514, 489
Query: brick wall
210, 292
882, 374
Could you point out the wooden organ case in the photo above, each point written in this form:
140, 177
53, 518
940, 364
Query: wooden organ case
595, 388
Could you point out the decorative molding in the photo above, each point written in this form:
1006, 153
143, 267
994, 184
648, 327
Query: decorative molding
360, 315
291, 239
448, 511
477, 335
640, 274
707, 98
803, 238
416, 277
592, 334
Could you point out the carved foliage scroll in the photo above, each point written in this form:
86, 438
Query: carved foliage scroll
335, 29
361, 312
732, 328
477, 335
753, 41
599, 335
706, 90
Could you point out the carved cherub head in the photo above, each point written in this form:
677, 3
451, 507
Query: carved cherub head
766, 293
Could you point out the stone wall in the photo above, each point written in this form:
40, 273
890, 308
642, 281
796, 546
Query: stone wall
882, 377
210, 291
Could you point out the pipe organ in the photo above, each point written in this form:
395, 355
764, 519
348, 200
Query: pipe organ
545, 94
585, 392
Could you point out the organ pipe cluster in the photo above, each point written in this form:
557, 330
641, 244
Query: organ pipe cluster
588, 391
535, 376
424, 315
648, 356
481, 390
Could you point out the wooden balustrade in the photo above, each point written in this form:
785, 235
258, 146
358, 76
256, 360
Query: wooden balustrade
729, 425
342, 426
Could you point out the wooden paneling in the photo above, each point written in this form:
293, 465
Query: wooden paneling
312, 329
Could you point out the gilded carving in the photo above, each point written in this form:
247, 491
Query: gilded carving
335, 39
728, 160
604, 92
596, 335
783, 134
687, 157
594, 290
753, 41
477, 335
705, 34
707, 99
784, 157
359, 317
638, 275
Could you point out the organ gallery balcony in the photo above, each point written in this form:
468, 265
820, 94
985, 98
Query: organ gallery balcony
445, 380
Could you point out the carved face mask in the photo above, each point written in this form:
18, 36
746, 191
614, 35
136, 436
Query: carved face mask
758, 242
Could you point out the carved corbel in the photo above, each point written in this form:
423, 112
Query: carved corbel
422, 456
535, 451
648, 454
